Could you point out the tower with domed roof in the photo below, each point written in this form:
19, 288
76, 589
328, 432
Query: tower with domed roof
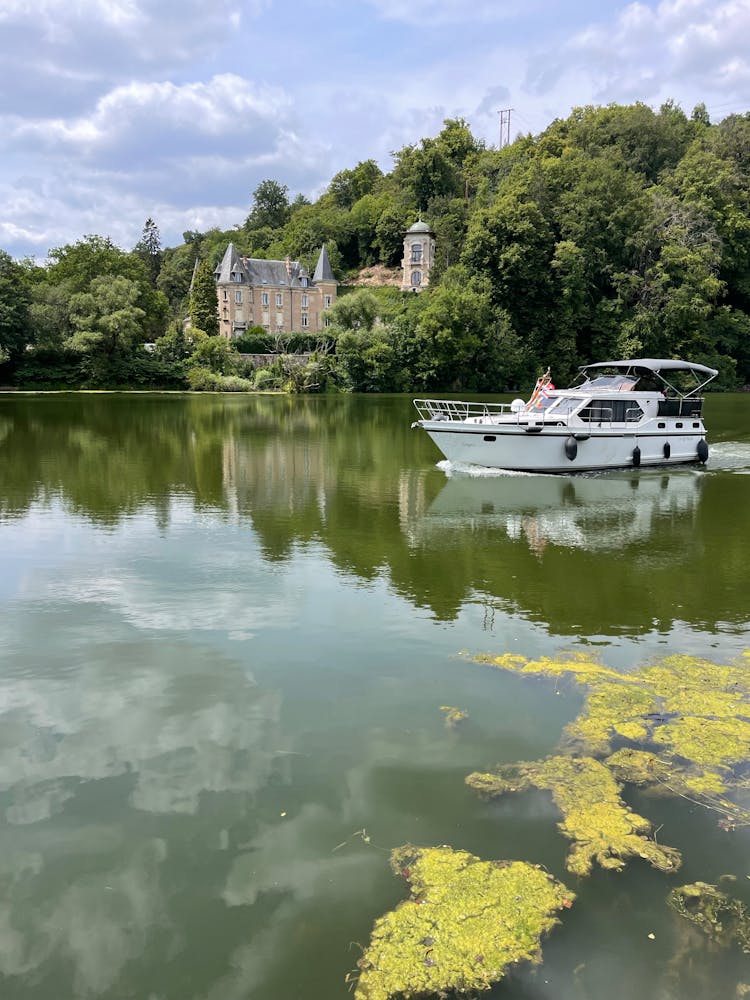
419, 257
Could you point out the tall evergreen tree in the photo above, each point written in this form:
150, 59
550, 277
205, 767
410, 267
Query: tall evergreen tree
148, 248
204, 306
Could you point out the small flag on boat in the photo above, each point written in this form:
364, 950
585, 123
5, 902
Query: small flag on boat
541, 392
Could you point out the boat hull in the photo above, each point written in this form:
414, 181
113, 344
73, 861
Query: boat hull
545, 451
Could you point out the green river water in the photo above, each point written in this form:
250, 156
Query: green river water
227, 627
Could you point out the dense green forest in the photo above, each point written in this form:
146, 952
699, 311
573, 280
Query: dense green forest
618, 231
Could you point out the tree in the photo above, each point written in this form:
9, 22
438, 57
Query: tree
456, 141
216, 354
49, 313
356, 311
148, 249
453, 330
76, 265
106, 320
426, 172
348, 186
204, 305
178, 343
175, 273
389, 233
14, 309
270, 206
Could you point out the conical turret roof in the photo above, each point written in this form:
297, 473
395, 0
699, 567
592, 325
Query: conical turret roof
230, 264
323, 270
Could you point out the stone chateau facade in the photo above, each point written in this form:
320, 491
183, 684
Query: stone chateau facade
278, 295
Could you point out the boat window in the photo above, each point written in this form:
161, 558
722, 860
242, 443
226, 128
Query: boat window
565, 406
617, 411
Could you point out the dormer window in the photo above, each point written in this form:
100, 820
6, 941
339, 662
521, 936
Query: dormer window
303, 282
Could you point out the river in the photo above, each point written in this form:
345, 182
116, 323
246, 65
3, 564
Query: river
228, 626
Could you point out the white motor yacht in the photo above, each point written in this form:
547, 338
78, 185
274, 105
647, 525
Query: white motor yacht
621, 413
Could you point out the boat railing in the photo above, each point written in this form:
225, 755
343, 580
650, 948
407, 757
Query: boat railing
457, 409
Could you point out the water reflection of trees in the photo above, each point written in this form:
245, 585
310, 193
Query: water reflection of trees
347, 473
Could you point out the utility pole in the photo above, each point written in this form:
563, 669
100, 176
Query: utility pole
505, 127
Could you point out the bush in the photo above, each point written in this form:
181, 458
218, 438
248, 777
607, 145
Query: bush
48, 368
201, 379
267, 378
233, 383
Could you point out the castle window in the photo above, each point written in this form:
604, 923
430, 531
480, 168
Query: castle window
326, 321
304, 301
416, 253
303, 282
264, 299
416, 279
279, 300
327, 301
226, 295
305, 321
238, 298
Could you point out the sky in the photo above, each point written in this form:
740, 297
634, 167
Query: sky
113, 111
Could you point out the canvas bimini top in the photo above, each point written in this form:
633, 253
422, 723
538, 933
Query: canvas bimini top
656, 365
636, 368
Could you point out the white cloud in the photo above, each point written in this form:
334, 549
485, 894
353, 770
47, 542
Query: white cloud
227, 105
693, 47
437, 12
154, 149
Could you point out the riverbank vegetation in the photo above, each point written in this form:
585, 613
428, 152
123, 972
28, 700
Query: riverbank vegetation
618, 231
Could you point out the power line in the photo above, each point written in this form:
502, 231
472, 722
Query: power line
505, 126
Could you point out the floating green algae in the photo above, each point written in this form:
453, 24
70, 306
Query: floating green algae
466, 923
723, 920
453, 716
692, 716
595, 818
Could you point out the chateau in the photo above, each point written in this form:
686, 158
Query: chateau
278, 295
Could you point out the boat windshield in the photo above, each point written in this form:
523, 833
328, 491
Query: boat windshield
618, 382
542, 402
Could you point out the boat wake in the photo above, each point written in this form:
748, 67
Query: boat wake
729, 456
452, 469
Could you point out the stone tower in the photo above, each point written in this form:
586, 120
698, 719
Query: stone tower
419, 257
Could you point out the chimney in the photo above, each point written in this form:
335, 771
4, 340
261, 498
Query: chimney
288, 263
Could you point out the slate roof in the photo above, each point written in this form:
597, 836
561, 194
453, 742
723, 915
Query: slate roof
323, 270
270, 273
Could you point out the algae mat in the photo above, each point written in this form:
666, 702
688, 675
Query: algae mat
466, 923
680, 725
